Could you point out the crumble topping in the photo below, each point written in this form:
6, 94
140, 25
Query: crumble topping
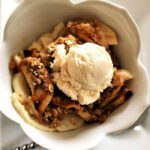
37, 63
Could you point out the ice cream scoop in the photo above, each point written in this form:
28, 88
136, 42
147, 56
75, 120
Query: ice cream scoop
91, 65
85, 72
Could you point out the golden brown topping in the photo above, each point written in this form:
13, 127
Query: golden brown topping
53, 116
39, 81
93, 31
82, 26
68, 41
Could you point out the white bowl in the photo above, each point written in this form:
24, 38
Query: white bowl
34, 17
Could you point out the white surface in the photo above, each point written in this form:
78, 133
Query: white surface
132, 139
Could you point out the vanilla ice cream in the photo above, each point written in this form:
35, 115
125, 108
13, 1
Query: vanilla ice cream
83, 73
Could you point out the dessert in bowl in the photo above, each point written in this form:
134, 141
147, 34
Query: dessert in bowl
69, 77
43, 19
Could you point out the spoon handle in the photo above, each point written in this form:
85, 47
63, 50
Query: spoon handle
29, 146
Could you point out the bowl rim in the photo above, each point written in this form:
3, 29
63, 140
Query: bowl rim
120, 8
123, 10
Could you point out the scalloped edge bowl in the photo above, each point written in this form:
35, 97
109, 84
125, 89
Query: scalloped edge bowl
30, 19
